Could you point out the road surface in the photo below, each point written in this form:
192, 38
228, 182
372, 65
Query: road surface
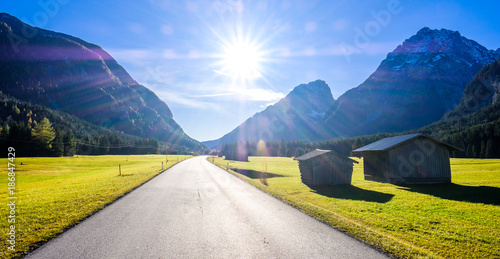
197, 210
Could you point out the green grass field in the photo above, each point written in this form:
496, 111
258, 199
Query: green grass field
459, 220
56, 193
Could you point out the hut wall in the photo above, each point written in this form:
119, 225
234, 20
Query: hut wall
375, 166
331, 170
306, 172
342, 170
419, 161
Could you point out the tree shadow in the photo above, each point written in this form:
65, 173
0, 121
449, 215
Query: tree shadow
456, 192
256, 174
349, 192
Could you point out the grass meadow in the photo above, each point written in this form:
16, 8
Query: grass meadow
457, 220
54, 194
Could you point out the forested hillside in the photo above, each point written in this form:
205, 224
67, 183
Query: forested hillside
71, 75
35, 130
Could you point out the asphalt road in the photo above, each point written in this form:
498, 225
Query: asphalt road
197, 210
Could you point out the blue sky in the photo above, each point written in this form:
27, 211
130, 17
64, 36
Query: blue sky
179, 49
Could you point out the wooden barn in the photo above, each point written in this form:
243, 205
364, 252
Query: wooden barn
414, 158
325, 167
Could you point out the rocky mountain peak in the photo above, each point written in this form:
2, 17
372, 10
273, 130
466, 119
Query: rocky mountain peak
430, 54
317, 87
315, 96
421, 80
427, 40
430, 42
295, 117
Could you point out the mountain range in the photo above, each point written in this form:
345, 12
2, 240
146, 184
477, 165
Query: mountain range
474, 124
419, 82
433, 79
68, 74
295, 117
416, 84
479, 106
482, 92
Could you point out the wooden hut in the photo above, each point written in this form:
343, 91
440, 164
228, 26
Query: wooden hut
325, 167
414, 158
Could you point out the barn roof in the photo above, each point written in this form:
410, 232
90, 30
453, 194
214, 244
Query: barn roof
388, 143
320, 152
314, 153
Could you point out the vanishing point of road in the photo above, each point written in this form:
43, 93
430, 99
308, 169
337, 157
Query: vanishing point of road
197, 210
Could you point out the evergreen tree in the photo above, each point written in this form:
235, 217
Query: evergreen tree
489, 149
69, 143
115, 142
16, 110
483, 150
358, 143
58, 144
4, 135
282, 149
299, 151
84, 146
103, 145
44, 133
20, 139
153, 146
497, 128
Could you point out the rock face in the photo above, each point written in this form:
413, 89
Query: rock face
482, 91
415, 85
68, 74
298, 116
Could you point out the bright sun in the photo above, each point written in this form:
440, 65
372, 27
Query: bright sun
241, 61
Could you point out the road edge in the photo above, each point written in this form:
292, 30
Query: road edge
299, 207
33, 247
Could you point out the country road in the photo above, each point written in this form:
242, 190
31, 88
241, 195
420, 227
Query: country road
197, 210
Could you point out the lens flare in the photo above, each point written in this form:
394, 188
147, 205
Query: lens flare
241, 61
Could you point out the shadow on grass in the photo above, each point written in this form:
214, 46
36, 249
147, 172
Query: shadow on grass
349, 192
256, 174
456, 192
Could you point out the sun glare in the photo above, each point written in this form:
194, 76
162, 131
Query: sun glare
241, 61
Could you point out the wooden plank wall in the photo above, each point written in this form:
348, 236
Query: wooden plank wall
306, 172
331, 170
326, 170
376, 166
420, 161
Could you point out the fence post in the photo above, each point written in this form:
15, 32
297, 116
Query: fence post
120, 169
